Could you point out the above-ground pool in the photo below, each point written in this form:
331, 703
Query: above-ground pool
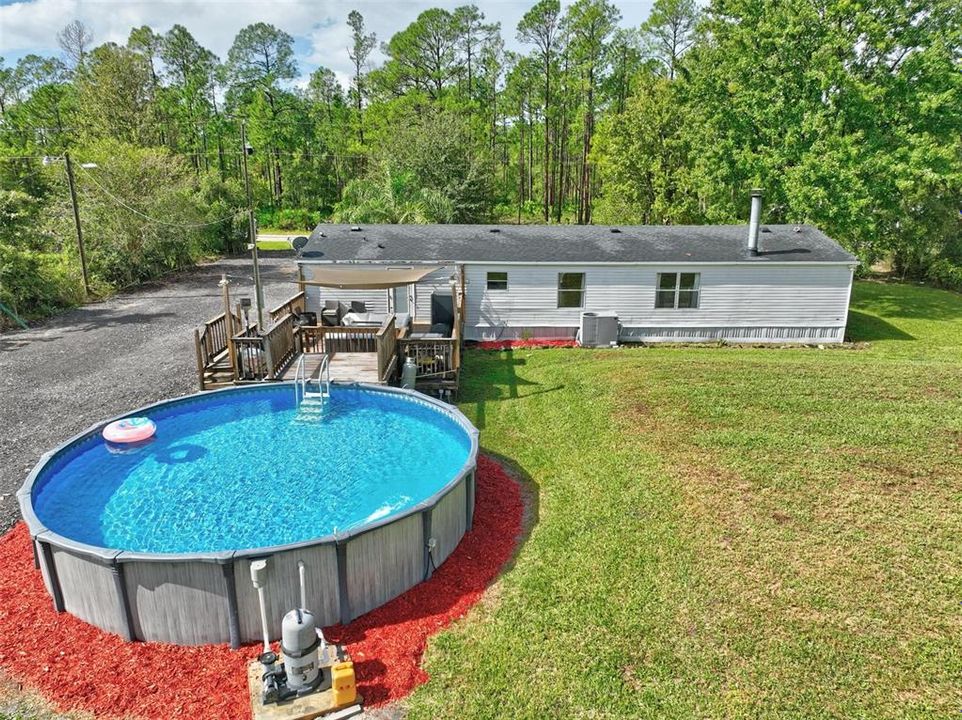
155, 542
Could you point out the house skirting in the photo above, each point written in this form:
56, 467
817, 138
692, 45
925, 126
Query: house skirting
628, 334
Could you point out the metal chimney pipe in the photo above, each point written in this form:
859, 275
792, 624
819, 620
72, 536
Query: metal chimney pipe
754, 220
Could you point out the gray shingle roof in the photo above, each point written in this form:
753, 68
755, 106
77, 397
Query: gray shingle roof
570, 244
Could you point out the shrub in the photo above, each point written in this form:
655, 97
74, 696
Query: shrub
946, 274
288, 219
33, 283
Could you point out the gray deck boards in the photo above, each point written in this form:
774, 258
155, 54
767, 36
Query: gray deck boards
345, 367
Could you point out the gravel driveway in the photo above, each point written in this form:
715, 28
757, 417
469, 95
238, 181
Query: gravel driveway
103, 359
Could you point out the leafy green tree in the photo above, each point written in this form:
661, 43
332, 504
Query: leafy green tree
670, 31
261, 56
114, 92
361, 46
191, 71
841, 113
149, 44
643, 159
539, 27
386, 197
260, 59
624, 54
423, 55
589, 24
35, 278
474, 37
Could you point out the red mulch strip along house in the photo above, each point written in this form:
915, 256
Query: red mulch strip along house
526, 344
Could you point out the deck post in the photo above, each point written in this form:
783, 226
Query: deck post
230, 341
268, 357
200, 361
228, 319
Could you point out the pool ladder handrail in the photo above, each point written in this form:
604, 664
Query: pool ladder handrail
322, 375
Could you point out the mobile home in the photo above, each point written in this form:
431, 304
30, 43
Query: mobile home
756, 283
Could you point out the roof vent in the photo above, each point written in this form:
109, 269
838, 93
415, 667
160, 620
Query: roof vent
766, 229
495, 230
616, 230
754, 221
356, 228
381, 245
798, 228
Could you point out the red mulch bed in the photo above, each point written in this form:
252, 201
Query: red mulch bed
526, 344
78, 667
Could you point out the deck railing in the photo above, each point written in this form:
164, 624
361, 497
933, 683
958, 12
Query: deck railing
279, 345
249, 354
292, 306
211, 341
331, 339
386, 345
435, 357
264, 357
212, 338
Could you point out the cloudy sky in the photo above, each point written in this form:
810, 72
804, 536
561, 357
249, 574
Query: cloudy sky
318, 26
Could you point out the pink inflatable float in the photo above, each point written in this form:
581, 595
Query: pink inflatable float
129, 430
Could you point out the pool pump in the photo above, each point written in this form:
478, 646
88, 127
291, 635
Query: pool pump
309, 665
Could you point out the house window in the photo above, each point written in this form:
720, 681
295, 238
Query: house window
677, 290
571, 290
497, 281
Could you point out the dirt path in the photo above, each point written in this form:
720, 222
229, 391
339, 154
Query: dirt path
102, 359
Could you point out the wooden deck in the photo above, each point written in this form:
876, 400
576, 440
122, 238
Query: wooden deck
344, 367
229, 353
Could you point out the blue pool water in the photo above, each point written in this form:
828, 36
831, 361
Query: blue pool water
239, 470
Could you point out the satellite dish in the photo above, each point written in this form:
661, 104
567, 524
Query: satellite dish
299, 243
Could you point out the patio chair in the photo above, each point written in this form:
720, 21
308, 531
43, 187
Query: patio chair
357, 306
331, 313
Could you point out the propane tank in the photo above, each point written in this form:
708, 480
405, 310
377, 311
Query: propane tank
409, 373
299, 642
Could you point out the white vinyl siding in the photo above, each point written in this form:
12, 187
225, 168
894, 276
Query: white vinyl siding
811, 297
437, 282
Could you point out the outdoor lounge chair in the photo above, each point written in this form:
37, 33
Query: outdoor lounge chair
331, 314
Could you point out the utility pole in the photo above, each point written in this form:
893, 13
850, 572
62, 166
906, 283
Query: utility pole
252, 232
76, 219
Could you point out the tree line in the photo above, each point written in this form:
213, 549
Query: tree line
848, 114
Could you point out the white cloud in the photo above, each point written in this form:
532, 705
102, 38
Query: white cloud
319, 25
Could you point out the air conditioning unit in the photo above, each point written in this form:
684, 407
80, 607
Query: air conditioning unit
598, 329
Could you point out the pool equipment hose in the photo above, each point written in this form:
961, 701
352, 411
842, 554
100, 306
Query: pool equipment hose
301, 672
259, 578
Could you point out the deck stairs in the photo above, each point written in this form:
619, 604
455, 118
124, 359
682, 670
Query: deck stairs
219, 373
312, 392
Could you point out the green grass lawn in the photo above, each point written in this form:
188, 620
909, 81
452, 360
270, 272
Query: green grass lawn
273, 245
725, 532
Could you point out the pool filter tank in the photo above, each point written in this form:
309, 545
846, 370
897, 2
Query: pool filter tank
299, 644
307, 666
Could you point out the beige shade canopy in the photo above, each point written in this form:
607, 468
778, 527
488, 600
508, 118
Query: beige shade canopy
364, 278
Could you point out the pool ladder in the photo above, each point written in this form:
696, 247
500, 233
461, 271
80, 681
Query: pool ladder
312, 393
